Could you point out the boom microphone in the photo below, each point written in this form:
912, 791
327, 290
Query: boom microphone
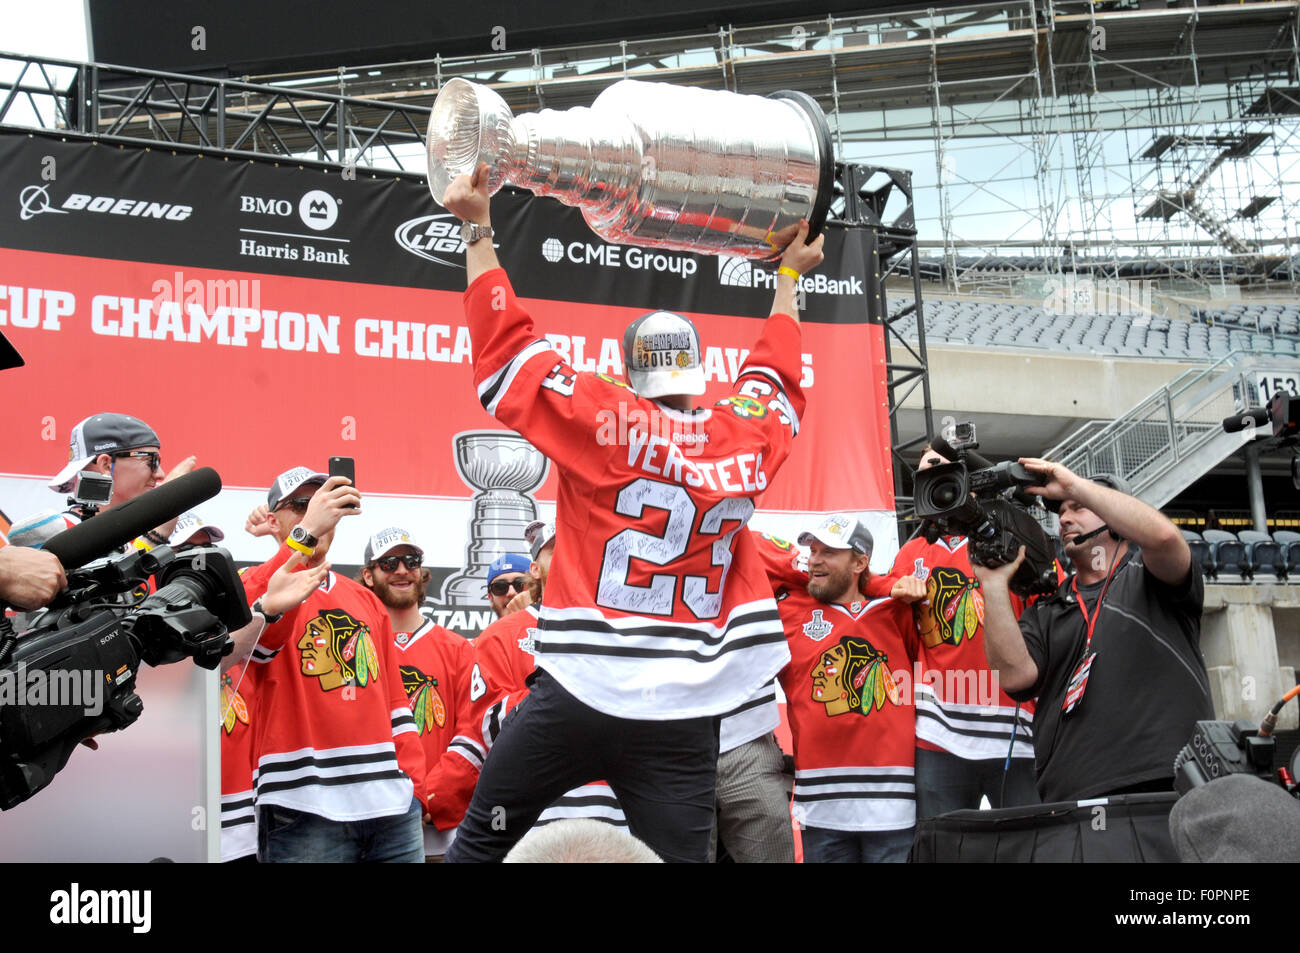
1087, 536
1251, 417
115, 528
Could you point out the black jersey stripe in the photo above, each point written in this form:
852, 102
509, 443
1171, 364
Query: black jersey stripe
620, 651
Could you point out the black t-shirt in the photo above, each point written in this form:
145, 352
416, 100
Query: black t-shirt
1146, 689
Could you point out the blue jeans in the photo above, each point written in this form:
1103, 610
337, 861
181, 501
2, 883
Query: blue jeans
945, 782
286, 836
821, 846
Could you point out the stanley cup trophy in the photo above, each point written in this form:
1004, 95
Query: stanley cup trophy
651, 164
502, 467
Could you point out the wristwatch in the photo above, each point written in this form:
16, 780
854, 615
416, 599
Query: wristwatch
470, 232
301, 540
270, 619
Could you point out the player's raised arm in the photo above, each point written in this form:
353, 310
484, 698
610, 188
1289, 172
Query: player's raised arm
467, 198
801, 256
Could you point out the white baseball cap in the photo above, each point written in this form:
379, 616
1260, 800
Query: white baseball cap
190, 523
840, 531
379, 544
290, 480
538, 534
661, 352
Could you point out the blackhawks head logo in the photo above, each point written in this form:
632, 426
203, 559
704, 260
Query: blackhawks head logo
426, 703
953, 608
233, 708
743, 406
337, 649
852, 676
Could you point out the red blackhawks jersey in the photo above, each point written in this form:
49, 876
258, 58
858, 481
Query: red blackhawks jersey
852, 726
505, 656
334, 735
442, 683
657, 607
238, 816
594, 801
959, 706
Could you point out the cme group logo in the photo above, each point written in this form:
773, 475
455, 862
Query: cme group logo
552, 250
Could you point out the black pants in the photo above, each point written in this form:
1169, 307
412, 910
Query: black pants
663, 773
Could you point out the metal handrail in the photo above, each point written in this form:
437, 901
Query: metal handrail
1129, 443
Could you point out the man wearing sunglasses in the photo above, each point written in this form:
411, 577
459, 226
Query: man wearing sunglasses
117, 445
340, 772
507, 577
440, 677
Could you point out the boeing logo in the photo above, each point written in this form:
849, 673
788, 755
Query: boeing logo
35, 200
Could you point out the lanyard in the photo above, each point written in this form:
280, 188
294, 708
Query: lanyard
1091, 624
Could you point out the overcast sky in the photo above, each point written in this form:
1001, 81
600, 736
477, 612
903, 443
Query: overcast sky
55, 28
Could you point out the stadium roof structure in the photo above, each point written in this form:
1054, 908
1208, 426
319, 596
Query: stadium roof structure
1136, 131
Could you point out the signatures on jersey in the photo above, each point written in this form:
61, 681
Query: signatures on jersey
427, 706
853, 676
953, 609
337, 649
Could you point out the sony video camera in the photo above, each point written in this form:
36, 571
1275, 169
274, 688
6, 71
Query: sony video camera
989, 506
91, 640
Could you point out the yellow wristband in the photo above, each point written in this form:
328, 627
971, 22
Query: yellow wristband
787, 270
305, 550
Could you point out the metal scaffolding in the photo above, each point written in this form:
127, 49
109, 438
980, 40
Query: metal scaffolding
1141, 137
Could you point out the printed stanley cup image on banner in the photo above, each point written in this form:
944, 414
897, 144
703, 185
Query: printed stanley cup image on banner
651, 164
502, 468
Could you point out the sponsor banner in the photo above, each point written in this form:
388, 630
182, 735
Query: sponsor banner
263, 317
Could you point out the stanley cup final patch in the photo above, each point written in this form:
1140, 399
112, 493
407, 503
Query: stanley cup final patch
818, 628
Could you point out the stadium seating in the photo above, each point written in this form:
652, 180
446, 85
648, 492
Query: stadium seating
1289, 544
1263, 554
998, 324
1229, 555
1200, 550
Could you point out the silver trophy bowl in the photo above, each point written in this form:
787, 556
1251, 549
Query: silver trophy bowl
651, 164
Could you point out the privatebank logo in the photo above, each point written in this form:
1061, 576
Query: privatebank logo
735, 272
35, 200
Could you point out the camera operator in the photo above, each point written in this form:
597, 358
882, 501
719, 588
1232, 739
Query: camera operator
1114, 654
965, 725
122, 447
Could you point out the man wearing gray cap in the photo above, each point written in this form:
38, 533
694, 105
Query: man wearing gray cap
1114, 654
117, 445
